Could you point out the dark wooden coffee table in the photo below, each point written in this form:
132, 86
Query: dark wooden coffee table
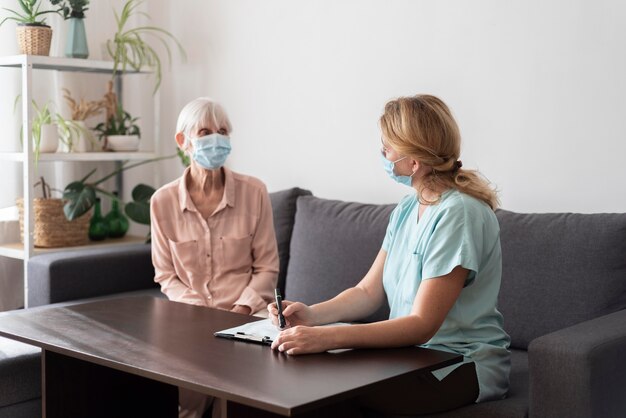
127, 356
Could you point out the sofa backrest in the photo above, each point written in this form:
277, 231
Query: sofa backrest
333, 245
558, 270
284, 211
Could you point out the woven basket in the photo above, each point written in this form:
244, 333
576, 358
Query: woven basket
52, 229
34, 40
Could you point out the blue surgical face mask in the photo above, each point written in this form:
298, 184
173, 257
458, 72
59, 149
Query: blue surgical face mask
389, 165
211, 151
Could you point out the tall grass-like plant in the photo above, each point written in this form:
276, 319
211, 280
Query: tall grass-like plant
129, 48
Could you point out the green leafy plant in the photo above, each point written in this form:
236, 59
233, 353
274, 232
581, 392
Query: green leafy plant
139, 209
81, 195
30, 13
120, 123
129, 48
68, 130
71, 8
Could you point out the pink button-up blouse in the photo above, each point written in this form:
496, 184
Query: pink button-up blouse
229, 259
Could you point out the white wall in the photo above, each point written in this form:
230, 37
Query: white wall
538, 89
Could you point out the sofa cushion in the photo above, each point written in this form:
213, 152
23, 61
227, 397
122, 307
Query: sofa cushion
333, 245
284, 210
59, 277
559, 270
20, 372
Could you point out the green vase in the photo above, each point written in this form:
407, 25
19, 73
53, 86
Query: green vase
117, 222
97, 226
76, 43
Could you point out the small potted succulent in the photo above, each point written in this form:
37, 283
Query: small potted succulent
33, 35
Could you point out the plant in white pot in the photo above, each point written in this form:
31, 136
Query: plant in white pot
80, 111
120, 131
33, 35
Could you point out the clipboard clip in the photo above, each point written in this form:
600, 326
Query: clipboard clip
254, 338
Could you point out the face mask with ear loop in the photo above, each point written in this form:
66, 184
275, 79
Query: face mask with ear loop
211, 151
389, 166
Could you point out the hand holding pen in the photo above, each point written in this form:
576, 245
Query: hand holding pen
294, 313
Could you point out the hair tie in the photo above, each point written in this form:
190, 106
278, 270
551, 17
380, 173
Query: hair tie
457, 165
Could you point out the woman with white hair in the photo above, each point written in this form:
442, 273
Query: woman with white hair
213, 240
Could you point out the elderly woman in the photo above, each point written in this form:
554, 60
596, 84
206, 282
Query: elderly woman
213, 241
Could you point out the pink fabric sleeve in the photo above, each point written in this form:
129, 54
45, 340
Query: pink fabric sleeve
260, 290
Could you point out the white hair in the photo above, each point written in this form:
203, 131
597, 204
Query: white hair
199, 111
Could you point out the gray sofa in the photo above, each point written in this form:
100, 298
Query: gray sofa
563, 298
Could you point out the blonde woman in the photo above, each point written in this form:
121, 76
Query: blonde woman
439, 269
213, 241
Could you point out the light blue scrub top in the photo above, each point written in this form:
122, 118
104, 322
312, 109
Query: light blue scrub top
458, 231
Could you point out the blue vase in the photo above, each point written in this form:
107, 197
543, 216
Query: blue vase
76, 44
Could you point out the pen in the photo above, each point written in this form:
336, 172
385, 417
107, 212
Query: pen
279, 306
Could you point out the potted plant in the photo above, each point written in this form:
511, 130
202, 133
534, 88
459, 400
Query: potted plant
129, 48
120, 131
80, 111
33, 35
74, 11
52, 228
80, 196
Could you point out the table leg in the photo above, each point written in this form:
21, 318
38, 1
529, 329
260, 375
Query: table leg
80, 389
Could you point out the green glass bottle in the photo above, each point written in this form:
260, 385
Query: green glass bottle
117, 222
97, 226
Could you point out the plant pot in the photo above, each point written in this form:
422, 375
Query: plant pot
123, 142
52, 229
34, 39
85, 140
76, 44
49, 140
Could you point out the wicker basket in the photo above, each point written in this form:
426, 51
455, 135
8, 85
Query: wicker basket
52, 229
34, 39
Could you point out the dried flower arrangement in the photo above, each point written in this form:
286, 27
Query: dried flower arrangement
83, 109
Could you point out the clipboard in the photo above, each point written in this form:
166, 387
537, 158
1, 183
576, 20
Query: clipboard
258, 332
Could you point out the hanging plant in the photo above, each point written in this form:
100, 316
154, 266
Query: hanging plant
129, 48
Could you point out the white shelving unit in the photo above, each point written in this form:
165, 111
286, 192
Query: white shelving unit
27, 64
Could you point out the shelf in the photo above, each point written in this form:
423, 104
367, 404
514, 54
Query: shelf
62, 64
80, 156
16, 250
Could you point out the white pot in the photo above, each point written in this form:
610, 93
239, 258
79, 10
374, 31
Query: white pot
85, 140
49, 141
123, 142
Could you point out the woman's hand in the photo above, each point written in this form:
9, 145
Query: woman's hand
295, 313
304, 340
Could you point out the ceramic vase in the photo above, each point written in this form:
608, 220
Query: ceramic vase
49, 138
76, 43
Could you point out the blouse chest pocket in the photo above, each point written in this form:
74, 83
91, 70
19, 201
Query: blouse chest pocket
237, 253
186, 256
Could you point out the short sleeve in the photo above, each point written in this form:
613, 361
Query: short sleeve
455, 240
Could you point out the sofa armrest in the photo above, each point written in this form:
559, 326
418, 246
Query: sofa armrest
580, 371
70, 275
